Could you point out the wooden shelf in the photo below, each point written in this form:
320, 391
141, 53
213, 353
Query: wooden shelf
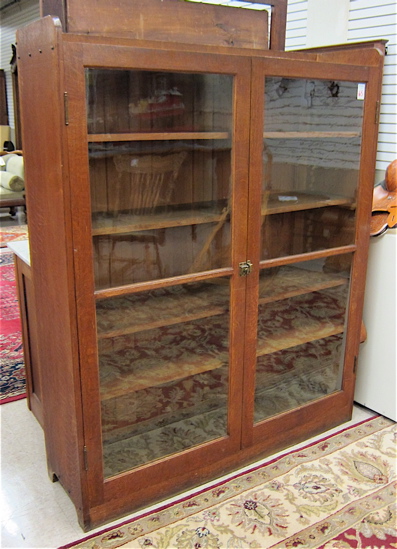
121, 223
146, 311
297, 336
290, 201
291, 281
165, 368
181, 322
122, 315
310, 135
301, 319
125, 223
155, 136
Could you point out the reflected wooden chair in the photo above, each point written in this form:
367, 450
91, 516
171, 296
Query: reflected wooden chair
144, 185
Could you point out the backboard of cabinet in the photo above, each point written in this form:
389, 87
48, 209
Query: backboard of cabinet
174, 21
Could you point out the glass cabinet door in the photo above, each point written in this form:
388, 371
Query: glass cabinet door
310, 166
160, 150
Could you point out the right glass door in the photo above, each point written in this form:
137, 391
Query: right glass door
310, 171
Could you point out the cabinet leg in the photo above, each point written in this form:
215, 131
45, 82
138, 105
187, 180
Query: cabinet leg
53, 477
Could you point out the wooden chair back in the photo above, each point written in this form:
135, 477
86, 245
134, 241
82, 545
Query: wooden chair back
150, 180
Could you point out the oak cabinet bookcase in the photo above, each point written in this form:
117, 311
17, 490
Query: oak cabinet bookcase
199, 222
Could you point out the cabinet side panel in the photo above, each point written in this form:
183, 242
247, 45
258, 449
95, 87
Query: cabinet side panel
40, 62
364, 208
29, 337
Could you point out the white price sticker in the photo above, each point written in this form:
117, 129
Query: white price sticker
361, 92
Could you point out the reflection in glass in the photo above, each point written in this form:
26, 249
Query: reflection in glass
130, 101
138, 256
163, 359
311, 152
301, 325
159, 215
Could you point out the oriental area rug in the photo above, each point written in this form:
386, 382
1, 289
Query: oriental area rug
11, 234
336, 493
12, 370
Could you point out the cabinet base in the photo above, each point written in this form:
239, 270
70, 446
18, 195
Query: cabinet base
130, 502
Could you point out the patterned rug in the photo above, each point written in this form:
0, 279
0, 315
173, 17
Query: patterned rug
10, 234
337, 493
13, 381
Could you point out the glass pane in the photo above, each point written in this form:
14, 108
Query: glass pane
149, 225
140, 101
163, 359
144, 255
311, 152
301, 331
160, 190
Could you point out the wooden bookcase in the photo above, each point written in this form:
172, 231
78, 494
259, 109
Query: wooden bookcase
199, 222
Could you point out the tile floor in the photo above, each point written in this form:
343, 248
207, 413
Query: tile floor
36, 513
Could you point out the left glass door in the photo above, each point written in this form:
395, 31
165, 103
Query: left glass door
160, 171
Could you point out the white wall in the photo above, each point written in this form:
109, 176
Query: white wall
319, 24
377, 19
296, 24
327, 22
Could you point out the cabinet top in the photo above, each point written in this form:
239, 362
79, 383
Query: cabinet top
21, 249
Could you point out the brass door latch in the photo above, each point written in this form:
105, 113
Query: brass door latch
245, 268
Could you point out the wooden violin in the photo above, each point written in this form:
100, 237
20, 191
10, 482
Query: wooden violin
384, 202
